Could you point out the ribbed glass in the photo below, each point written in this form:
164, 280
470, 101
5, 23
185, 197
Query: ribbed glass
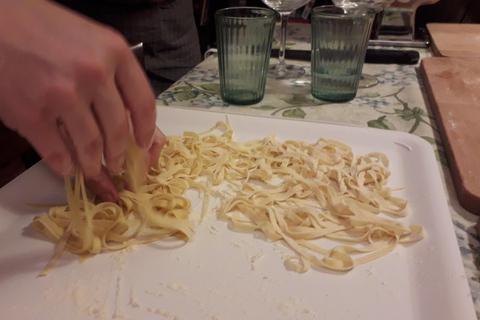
244, 42
339, 44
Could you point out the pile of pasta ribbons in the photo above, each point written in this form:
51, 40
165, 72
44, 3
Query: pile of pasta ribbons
333, 208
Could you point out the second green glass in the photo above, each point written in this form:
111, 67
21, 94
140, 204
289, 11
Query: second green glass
339, 45
244, 42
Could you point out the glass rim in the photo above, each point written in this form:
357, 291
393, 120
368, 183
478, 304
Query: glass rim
224, 13
360, 11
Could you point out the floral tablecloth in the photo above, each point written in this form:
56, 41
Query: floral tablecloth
397, 102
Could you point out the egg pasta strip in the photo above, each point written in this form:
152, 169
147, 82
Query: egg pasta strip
333, 208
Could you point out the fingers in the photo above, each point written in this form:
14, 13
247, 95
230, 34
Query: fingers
101, 128
87, 141
55, 144
145, 160
138, 98
112, 118
48, 141
159, 140
103, 186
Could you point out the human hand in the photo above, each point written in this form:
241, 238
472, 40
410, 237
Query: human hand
69, 86
102, 183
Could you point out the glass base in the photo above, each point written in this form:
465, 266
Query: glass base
367, 81
335, 97
242, 97
290, 72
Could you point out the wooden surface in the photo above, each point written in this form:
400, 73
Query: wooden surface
453, 89
455, 40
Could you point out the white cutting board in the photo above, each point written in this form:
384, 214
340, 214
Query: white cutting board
225, 274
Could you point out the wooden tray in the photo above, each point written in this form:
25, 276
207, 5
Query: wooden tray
453, 88
455, 40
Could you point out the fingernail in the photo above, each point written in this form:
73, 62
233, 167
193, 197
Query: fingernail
149, 143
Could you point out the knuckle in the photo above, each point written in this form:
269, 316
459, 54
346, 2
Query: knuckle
116, 43
60, 93
93, 148
92, 72
95, 69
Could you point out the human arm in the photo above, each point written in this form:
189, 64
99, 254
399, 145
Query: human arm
70, 87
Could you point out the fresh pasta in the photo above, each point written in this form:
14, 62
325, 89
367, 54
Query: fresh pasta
333, 208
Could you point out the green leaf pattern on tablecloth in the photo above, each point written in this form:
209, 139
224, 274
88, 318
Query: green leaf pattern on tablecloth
185, 95
299, 99
265, 108
381, 123
294, 113
211, 87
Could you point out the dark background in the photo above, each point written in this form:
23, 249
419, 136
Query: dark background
451, 11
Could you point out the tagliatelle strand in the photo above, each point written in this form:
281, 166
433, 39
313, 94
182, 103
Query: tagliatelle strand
332, 207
